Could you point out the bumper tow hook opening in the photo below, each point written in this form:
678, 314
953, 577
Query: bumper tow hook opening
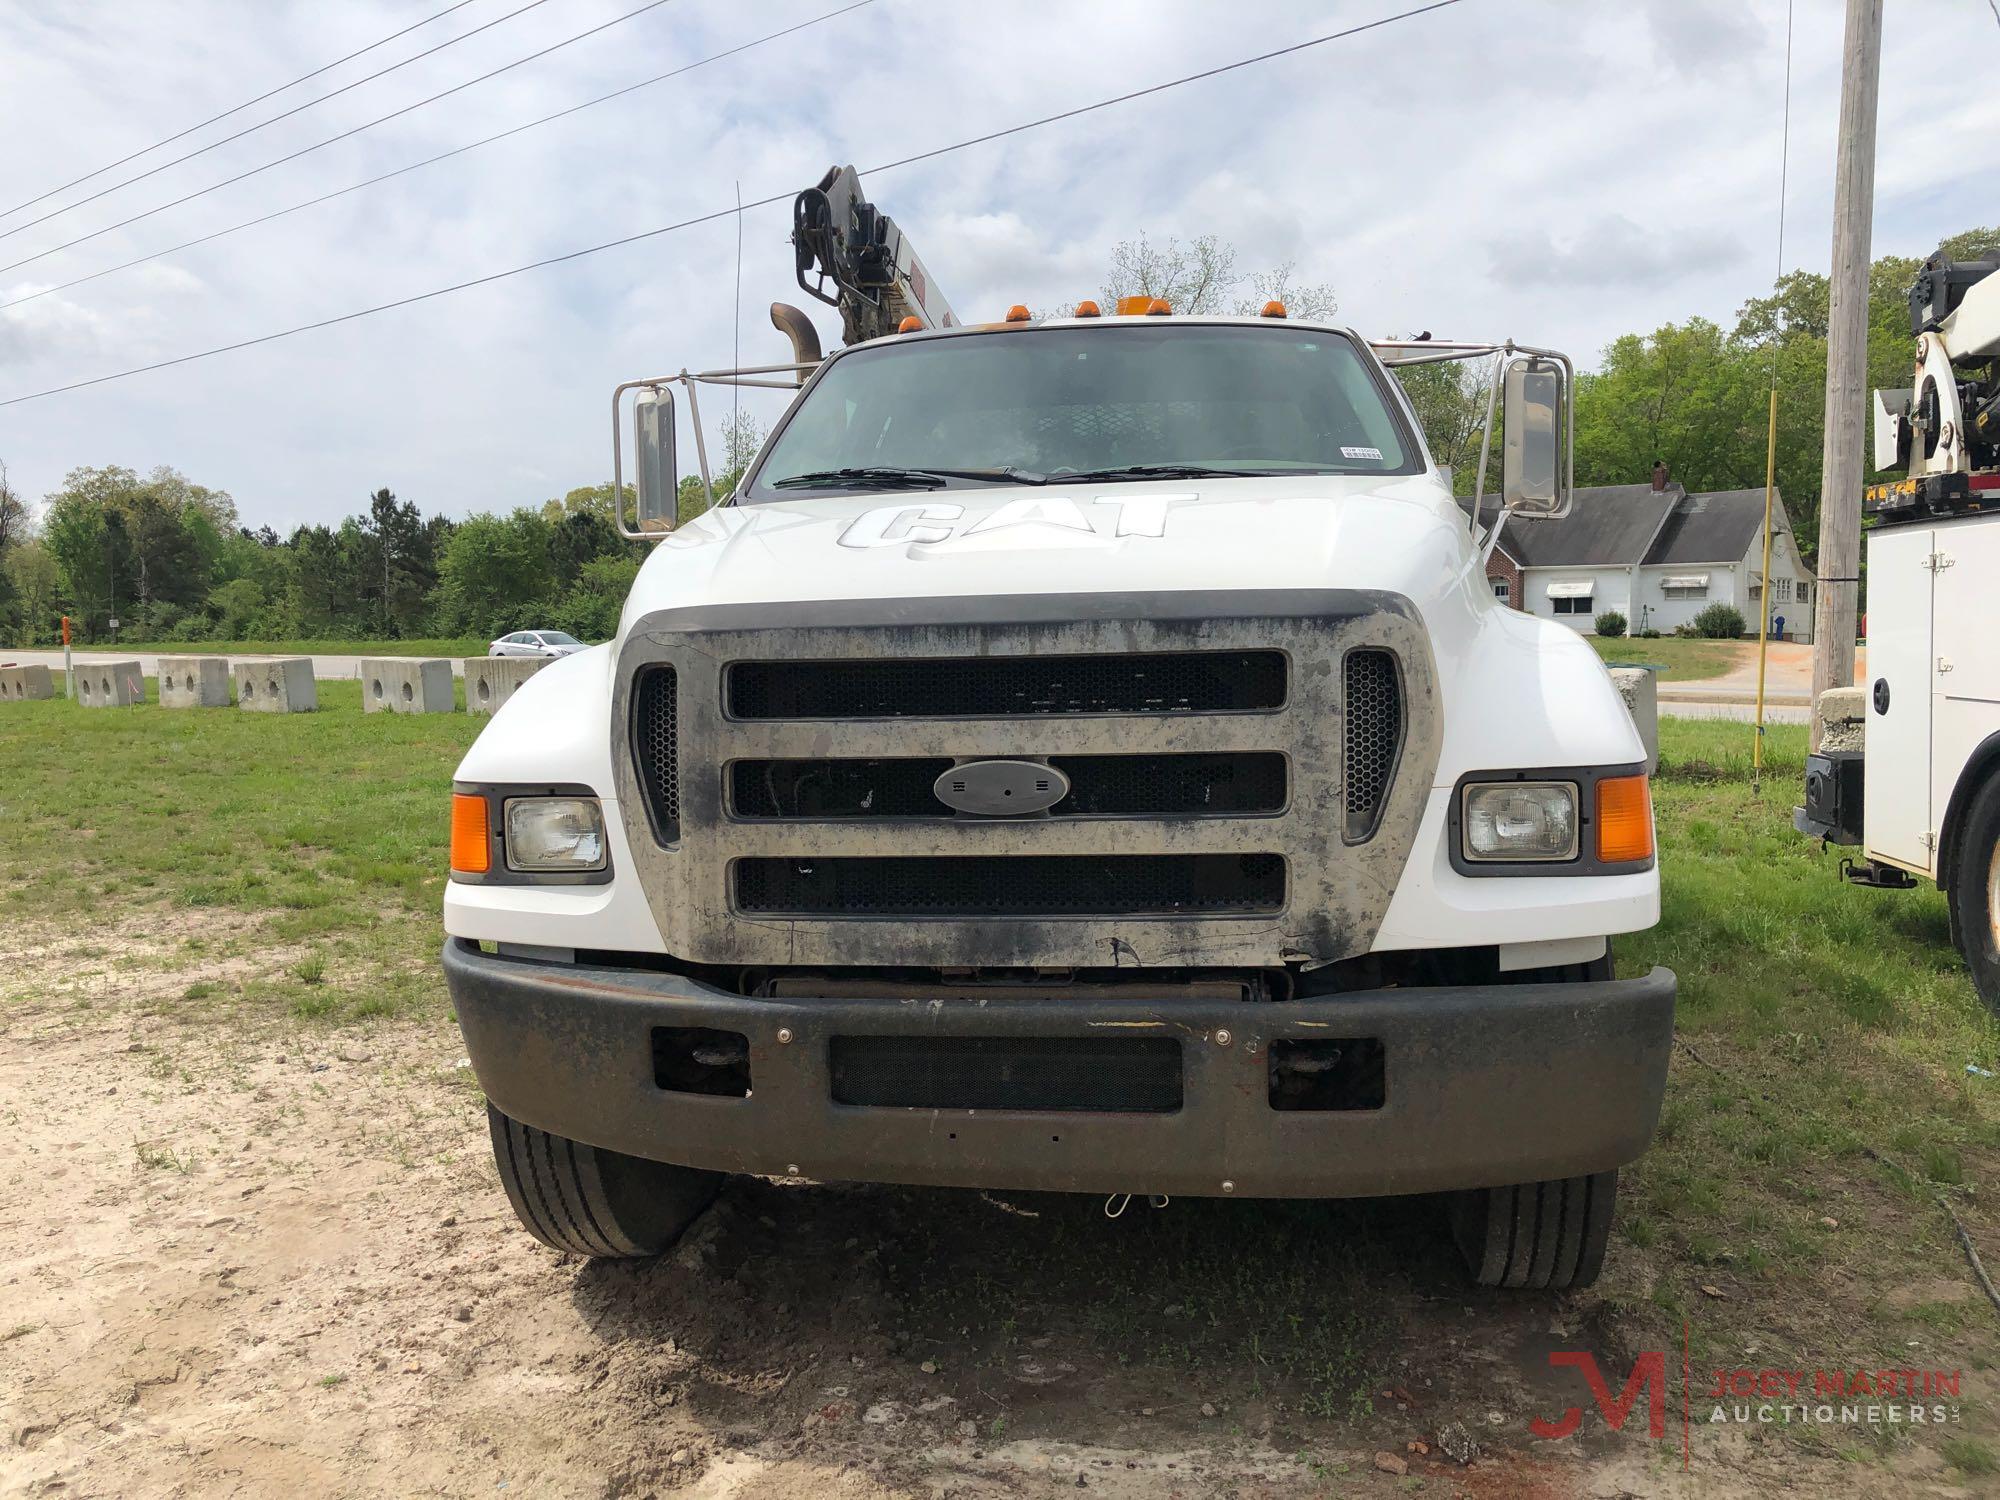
1117, 1203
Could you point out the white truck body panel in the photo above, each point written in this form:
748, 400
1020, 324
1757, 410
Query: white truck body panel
1896, 800
1516, 691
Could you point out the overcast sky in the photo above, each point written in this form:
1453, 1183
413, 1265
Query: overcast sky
1559, 172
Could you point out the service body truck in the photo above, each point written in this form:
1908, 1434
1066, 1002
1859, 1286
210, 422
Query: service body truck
1922, 799
1083, 754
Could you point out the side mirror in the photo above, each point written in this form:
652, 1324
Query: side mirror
1531, 453
655, 474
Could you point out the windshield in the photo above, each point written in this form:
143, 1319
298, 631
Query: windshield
1045, 404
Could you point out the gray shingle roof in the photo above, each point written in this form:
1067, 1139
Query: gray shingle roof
1714, 528
1610, 524
1607, 526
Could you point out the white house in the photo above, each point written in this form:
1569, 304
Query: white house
1659, 557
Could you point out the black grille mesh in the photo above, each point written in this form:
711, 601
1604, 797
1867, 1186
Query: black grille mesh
1011, 885
1133, 786
656, 744
1003, 687
1136, 1075
1373, 736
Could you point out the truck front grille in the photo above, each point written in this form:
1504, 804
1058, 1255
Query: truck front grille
1010, 687
1124, 1075
1246, 776
1011, 886
656, 747
1239, 784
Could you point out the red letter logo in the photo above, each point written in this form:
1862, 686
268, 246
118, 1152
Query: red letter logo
1649, 1372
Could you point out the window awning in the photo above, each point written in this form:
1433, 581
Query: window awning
1685, 581
1571, 588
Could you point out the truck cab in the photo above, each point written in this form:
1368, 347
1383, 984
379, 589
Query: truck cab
1083, 754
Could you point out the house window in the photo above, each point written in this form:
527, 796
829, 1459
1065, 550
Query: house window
1573, 604
1684, 586
1500, 589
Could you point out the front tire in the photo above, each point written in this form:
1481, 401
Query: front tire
590, 1201
1546, 1236
1975, 893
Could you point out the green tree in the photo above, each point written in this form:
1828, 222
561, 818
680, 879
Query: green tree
495, 575
31, 579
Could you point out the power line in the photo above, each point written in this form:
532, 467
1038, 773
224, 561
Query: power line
724, 213
356, 187
234, 109
456, 88
286, 115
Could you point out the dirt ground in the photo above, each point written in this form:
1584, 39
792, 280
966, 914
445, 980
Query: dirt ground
269, 1258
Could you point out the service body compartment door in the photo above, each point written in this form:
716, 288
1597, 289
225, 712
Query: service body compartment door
1896, 796
1965, 667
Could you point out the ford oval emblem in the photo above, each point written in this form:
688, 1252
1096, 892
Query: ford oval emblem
1001, 788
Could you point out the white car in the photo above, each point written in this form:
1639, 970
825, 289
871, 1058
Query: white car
536, 643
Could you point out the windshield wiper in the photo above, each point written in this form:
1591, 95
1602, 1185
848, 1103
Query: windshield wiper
1158, 471
883, 477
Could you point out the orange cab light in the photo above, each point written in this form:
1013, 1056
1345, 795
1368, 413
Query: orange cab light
1135, 307
1086, 309
471, 850
1017, 314
1158, 308
1624, 819
1273, 309
911, 324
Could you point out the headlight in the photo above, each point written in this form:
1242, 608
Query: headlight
554, 834
1520, 820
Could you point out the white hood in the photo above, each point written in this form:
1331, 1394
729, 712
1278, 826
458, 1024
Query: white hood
1403, 535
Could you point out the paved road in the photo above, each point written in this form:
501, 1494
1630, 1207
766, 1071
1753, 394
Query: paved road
325, 668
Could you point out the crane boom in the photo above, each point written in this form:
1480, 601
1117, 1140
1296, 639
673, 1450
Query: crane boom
860, 262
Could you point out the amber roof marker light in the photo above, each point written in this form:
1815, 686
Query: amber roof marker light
1273, 309
1017, 314
911, 324
1086, 309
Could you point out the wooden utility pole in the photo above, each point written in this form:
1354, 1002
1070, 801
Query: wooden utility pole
1839, 560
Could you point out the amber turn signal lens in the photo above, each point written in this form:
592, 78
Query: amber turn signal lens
911, 324
471, 850
1624, 820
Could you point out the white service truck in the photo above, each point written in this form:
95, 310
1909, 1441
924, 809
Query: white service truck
1083, 754
1923, 797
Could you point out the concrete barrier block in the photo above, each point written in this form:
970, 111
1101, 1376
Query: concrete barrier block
194, 682
491, 680
18, 684
110, 684
276, 685
406, 685
1842, 715
1640, 689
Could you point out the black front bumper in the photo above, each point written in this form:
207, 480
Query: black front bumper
1486, 1084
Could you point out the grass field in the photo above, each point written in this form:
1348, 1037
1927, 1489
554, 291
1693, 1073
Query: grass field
1686, 659
1819, 1108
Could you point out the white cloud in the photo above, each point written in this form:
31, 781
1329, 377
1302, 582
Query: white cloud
1554, 171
